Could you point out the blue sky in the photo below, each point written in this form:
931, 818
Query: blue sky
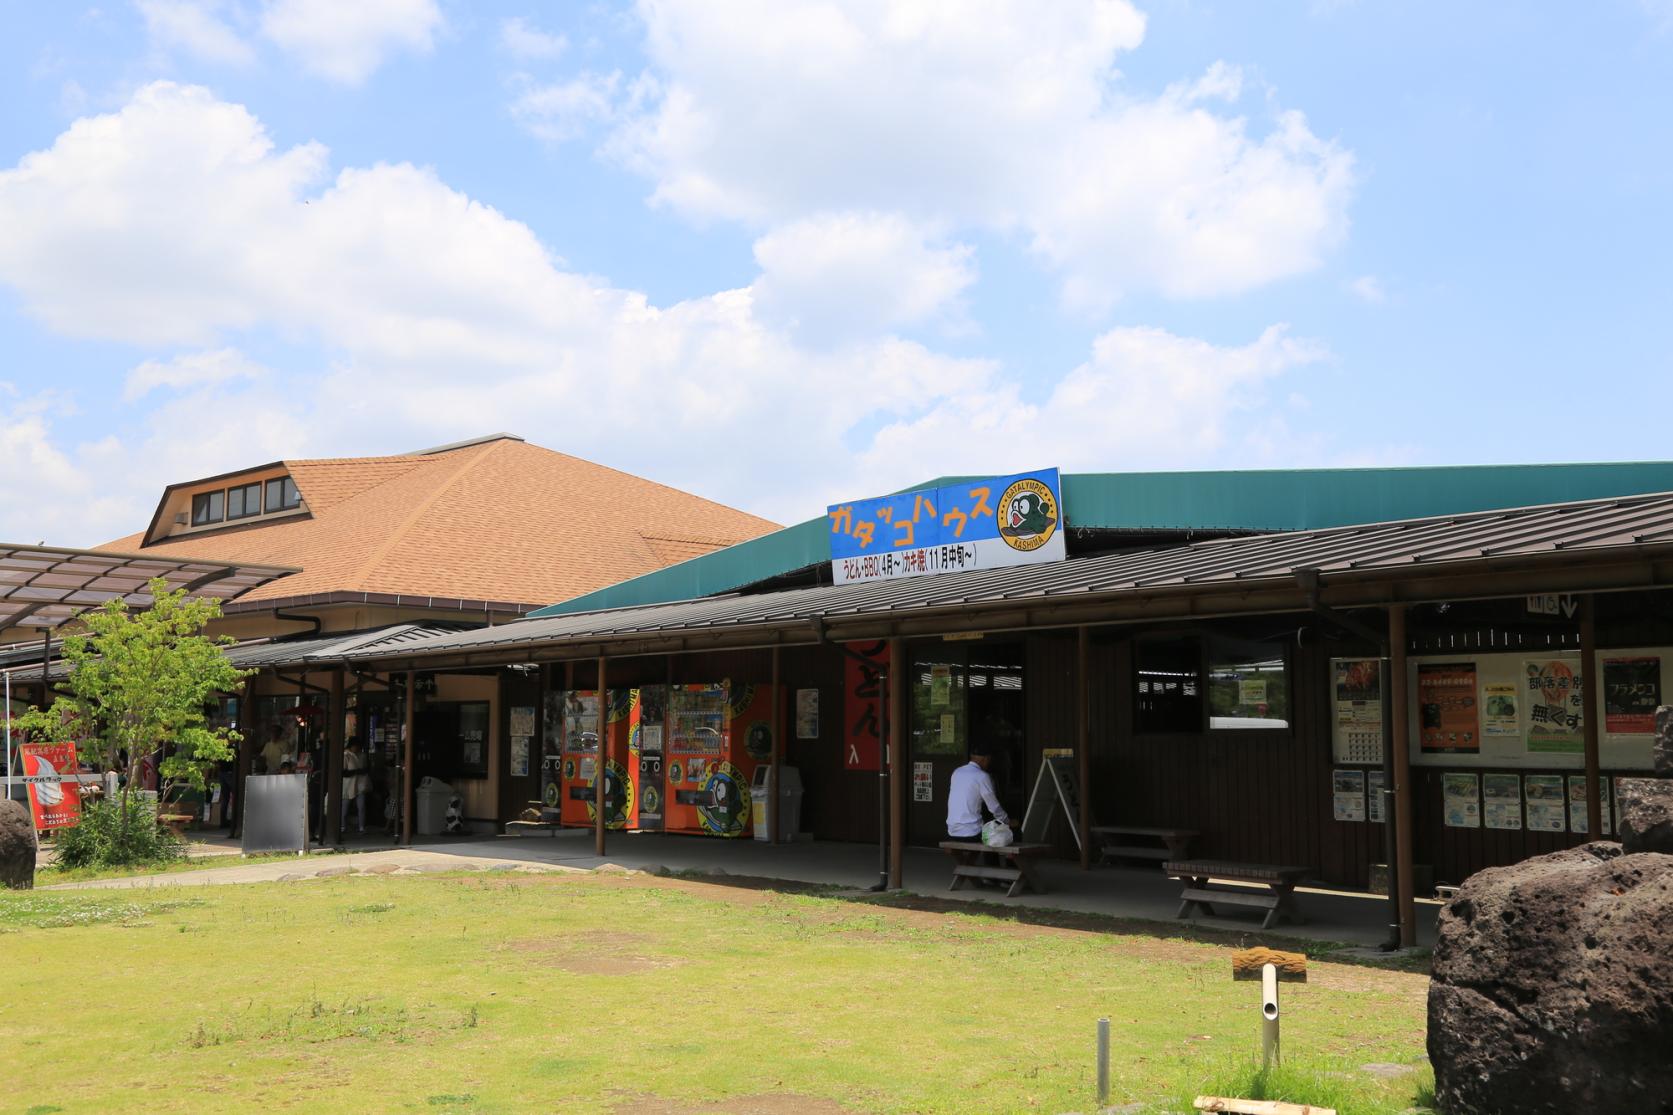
784, 252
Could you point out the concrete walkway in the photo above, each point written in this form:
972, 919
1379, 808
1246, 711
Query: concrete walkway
1139, 892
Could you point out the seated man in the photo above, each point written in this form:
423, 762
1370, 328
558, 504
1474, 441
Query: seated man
971, 790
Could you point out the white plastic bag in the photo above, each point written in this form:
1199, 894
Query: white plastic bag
996, 835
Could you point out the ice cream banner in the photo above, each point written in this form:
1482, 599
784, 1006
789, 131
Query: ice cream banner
974, 524
1447, 707
49, 770
1553, 705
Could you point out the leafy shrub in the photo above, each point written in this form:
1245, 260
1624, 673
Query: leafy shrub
119, 833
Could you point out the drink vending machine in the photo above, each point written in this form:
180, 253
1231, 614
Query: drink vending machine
717, 736
579, 758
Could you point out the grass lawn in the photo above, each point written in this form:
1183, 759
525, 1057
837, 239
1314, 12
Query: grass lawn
641, 996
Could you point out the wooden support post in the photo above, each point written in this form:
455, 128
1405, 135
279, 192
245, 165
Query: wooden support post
1590, 682
773, 796
603, 757
408, 732
899, 687
1400, 749
331, 800
1083, 752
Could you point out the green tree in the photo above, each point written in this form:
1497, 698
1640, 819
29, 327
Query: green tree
141, 682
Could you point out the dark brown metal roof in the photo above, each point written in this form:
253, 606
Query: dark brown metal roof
1533, 541
44, 587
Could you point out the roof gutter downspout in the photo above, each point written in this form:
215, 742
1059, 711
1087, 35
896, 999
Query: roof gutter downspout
1308, 581
294, 618
882, 883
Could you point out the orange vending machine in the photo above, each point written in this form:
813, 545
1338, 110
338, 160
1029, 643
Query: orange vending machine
581, 757
717, 736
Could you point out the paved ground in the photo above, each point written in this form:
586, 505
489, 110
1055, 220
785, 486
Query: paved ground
1140, 892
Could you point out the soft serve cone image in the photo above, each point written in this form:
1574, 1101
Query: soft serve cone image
49, 794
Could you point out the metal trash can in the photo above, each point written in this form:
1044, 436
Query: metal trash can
789, 800
430, 818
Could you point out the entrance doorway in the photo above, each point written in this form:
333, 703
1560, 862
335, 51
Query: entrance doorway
962, 695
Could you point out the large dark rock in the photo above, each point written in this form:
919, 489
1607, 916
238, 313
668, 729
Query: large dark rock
17, 847
1553, 987
1646, 806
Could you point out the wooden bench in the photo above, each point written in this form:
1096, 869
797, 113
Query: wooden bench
1278, 900
1017, 870
1176, 843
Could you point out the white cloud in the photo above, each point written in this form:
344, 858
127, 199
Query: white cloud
1147, 398
1369, 288
196, 27
522, 40
843, 274
190, 370
1002, 115
176, 222
345, 40
564, 110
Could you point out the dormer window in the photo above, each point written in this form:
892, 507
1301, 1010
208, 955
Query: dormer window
282, 495
207, 508
243, 501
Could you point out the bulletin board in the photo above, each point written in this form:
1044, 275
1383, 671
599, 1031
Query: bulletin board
1528, 707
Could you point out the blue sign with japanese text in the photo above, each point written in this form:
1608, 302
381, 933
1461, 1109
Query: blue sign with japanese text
974, 524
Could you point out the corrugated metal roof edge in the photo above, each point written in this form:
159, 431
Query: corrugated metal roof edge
1176, 572
1088, 497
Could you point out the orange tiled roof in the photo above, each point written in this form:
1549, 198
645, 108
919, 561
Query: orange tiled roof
498, 520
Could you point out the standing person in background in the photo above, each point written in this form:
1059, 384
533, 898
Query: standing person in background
355, 783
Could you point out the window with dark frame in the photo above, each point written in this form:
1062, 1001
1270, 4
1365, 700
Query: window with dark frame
1248, 685
244, 501
208, 507
282, 495
1168, 691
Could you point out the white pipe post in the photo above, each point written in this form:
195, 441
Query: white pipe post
1103, 1062
1269, 1016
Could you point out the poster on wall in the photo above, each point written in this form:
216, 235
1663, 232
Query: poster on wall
1631, 692
1498, 711
1553, 692
520, 756
1347, 795
1461, 801
1502, 800
1446, 695
1358, 693
1374, 796
1577, 804
807, 714
923, 781
1547, 808
522, 720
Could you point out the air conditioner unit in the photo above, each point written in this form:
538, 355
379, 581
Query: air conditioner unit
180, 519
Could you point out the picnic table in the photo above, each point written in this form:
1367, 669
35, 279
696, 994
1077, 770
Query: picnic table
1116, 841
1017, 868
1278, 899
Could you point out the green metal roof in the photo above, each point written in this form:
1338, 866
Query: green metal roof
1280, 499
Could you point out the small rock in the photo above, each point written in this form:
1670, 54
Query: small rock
333, 872
1646, 806
17, 847
611, 869
382, 869
502, 867
291, 877
656, 869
